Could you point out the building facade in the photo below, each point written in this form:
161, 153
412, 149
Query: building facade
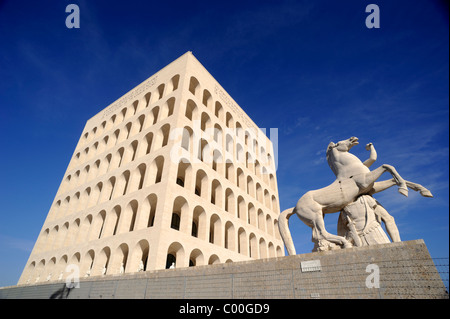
172, 174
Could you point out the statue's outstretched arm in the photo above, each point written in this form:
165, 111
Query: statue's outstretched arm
373, 155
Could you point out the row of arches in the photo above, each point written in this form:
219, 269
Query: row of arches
143, 176
227, 236
224, 231
124, 258
252, 139
142, 146
212, 149
126, 182
135, 126
89, 227
211, 189
137, 106
132, 258
216, 108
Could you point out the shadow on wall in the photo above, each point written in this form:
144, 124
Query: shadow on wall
61, 293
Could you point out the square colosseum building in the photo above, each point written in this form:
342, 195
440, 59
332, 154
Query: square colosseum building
172, 174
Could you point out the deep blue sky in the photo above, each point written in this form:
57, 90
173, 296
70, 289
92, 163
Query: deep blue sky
311, 69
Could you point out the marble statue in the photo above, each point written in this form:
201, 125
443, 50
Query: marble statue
353, 179
141, 266
172, 266
360, 223
122, 269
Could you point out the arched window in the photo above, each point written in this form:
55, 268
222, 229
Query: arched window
155, 171
230, 202
129, 217
186, 141
229, 236
229, 147
139, 259
250, 186
102, 262
153, 119
218, 112
112, 221
218, 135
179, 212
162, 137
262, 248
207, 99
95, 195
253, 246
194, 232
171, 261
98, 224
173, 84
175, 256
269, 225
115, 161
121, 184
199, 220
204, 151
87, 263
241, 209
215, 230
217, 162
194, 86
184, 173
148, 210
229, 122
239, 132
261, 221
214, 259
145, 145
216, 193
175, 223
196, 258
242, 242
252, 215
137, 125
201, 184
205, 122
142, 103
229, 171
191, 110
140, 175
119, 263
84, 229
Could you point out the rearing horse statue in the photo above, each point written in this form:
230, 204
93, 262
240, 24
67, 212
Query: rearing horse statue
353, 178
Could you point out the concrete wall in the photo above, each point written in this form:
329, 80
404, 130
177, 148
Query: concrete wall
406, 270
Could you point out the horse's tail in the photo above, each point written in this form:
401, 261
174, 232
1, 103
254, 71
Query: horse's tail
283, 225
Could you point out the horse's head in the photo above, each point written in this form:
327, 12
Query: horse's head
343, 146
333, 151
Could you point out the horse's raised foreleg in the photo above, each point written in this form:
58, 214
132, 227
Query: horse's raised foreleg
399, 181
381, 186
